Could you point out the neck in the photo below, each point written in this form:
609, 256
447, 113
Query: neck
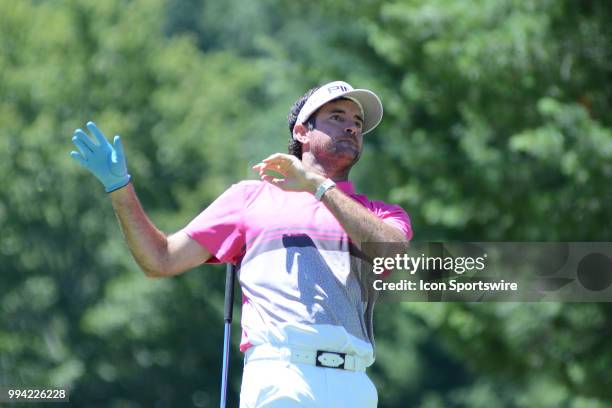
328, 169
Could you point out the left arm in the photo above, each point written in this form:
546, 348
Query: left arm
360, 224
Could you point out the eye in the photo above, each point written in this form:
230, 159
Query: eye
336, 117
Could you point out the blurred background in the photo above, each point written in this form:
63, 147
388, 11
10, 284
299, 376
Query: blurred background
497, 127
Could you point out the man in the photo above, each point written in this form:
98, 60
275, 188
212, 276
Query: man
295, 235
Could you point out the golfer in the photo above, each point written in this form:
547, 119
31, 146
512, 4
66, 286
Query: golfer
294, 236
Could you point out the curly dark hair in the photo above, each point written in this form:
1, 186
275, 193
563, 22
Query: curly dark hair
295, 147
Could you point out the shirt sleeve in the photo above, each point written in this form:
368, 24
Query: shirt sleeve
220, 227
395, 216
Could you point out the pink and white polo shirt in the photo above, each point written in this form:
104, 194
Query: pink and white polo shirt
297, 268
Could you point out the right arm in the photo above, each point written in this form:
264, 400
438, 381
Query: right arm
157, 255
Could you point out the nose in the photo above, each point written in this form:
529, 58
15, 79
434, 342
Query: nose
352, 130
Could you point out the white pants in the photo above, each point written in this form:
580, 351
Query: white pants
282, 384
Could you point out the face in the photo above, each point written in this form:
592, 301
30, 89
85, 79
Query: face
337, 134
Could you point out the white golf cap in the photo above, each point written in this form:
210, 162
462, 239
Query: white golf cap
368, 101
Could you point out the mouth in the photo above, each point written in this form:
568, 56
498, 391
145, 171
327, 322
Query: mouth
347, 140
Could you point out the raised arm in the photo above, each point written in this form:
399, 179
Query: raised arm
157, 254
359, 223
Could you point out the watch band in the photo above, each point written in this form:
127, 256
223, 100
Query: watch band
322, 189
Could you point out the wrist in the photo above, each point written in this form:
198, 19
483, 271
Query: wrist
118, 184
121, 193
323, 188
314, 181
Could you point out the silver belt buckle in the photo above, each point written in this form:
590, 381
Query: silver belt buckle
330, 359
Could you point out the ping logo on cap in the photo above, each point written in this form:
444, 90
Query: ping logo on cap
334, 88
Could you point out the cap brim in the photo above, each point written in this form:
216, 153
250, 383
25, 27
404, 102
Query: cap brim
371, 104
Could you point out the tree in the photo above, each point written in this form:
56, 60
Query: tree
497, 127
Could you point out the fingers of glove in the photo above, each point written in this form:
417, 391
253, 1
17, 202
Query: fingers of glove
85, 150
97, 133
84, 140
118, 146
78, 158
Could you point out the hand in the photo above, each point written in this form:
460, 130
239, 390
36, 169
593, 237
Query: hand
294, 176
105, 161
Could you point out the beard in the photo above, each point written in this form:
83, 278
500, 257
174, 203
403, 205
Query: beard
341, 154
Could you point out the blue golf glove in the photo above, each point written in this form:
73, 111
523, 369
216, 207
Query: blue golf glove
105, 161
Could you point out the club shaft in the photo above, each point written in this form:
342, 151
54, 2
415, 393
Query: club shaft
228, 309
226, 345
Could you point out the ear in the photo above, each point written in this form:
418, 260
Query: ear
300, 133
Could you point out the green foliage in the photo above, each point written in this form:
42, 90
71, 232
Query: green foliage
497, 127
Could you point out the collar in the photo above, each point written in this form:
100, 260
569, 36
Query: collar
346, 187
